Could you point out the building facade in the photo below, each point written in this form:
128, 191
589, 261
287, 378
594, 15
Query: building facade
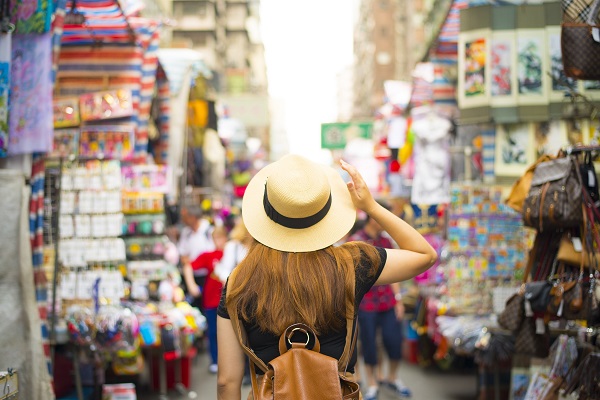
227, 35
390, 38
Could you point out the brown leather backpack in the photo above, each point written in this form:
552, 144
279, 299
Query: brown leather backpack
301, 373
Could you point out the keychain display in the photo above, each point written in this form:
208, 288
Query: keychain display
117, 328
139, 178
65, 143
143, 203
106, 105
109, 141
66, 112
147, 224
146, 248
80, 325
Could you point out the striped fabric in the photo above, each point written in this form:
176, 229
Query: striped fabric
164, 105
444, 56
148, 39
57, 31
115, 64
105, 23
36, 229
84, 69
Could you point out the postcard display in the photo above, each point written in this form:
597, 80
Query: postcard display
487, 244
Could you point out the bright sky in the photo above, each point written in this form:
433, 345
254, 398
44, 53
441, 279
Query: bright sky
306, 44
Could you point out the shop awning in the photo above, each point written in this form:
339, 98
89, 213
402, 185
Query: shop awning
177, 62
105, 22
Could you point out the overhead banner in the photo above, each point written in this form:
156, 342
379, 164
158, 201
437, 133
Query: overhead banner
336, 135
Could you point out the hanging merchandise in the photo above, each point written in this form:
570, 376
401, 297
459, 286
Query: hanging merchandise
431, 183
31, 117
106, 105
31, 16
580, 46
66, 112
5, 54
111, 141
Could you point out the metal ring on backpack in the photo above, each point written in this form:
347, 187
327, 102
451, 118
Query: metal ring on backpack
301, 330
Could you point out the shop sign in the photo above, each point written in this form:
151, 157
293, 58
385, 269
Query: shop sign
336, 135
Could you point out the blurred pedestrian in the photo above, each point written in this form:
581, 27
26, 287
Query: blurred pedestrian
235, 250
205, 265
296, 210
380, 312
195, 239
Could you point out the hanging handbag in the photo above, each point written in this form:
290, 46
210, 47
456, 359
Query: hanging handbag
537, 295
527, 340
568, 254
554, 199
580, 45
521, 187
513, 314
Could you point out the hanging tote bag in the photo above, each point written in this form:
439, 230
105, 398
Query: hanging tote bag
580, 44
554, 200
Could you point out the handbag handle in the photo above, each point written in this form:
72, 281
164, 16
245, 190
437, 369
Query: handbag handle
594, 10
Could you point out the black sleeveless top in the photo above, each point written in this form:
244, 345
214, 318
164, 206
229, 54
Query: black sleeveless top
266, 345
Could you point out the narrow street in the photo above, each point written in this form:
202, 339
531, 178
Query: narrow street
425, 384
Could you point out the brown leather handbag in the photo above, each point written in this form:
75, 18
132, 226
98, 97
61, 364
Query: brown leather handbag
580, 43
555, 197
570, 256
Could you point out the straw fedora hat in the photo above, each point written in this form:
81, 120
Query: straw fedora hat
296, 205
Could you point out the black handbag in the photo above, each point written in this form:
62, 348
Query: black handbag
537, 294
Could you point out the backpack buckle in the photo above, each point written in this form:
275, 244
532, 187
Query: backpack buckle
289, 337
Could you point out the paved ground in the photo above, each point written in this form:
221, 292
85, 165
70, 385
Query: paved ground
425, 384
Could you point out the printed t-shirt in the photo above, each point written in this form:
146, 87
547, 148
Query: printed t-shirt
266, 345
205, 263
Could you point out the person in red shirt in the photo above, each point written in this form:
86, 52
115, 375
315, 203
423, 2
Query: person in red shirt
204, 265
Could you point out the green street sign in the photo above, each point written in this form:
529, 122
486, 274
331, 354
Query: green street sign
335, 135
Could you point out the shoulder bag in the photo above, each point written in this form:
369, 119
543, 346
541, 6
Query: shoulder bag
580, 43
554, 199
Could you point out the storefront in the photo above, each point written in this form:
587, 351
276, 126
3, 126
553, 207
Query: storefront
91, 138
481, 111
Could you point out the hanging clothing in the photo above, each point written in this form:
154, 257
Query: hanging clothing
21, 345
30, 120
431, 183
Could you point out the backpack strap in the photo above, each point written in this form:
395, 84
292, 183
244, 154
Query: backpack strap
240, 332
242, 337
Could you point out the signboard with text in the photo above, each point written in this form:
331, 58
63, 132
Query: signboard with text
335, 135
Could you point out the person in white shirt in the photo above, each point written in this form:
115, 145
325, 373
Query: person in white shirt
195, 239
235, 250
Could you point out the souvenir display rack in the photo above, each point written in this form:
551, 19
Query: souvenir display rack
88, 286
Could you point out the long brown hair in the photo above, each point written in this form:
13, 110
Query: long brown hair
276, 289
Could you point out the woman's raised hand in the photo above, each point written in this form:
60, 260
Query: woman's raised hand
359, 192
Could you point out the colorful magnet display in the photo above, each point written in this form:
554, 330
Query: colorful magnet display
106, 105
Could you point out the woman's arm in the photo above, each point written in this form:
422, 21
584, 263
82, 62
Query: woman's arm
231, 362
415, 254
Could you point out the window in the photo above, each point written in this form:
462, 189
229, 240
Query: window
193, 9
197, 39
